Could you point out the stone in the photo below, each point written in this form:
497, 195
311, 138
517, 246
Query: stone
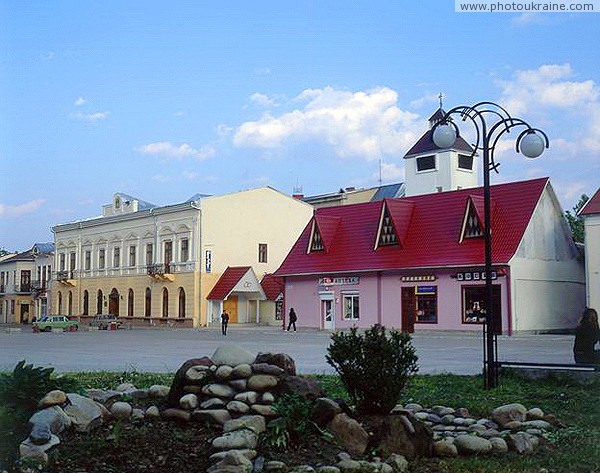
535, 413
52, 442
256, 424
53, 398
368, 467
462, 412
51, 420
442, 410
158, 391
232, 355
85, 414
306, 388
445, 448
499, 445
198, 373
243, 370
192, 389
513, 425
521, 443
394, 437
448, 419
223, 372
121, 410
349, 433
137, 414
188, 401
179, 415
33, 452
477, 428
180, 380
266, 368
324, 410
139, 394
282, 360
219, 390
275, 466
239, 384
238, 439
214, 416
263, 410
125, 388
267, 398
249, 397
537, 424
213, 403
104, 396
262, 382
248, 453
472, 445
233, 462
302, 469
331, 469
152, 413
349, 466
237, 407
413, 406
509, 412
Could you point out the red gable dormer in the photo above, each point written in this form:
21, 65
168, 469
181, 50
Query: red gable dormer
474, 220
394, 222
323, 231
427, 227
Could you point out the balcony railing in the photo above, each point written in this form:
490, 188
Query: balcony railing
158, 269
64, 276
22, 288
38, 285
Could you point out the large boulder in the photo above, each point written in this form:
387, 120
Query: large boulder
304, 387
232, 355
180, 380
84, 412
349, 433
404, 436
282, 360
508, 413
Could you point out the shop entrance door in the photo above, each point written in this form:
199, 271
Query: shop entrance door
231, 307
327, 313
408, 309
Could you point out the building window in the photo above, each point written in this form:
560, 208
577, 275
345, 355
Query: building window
116, 257
185, 250
181, 303
426, 304
168, 256
425, 163
99, 301
59, 304
61, 261
465, 162
316, 243
473, 304
101, 258
148, 305
262, 252
351, 304
130, 303
86, 303
88, 260
132, 252
387, 235
70, 306
165, 302
72, 261
149, 254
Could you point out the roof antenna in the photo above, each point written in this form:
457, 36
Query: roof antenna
379, 171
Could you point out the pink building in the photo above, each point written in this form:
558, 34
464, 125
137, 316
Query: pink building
417, 263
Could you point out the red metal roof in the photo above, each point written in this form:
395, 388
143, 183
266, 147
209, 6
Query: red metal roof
431, 237
272, 286
592, 206
227, 282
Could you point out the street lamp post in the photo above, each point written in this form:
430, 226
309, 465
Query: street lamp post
531, 142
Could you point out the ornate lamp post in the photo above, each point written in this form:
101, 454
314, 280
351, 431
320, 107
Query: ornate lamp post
531, 142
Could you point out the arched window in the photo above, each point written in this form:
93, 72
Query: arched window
148, 308
70, 307
99, 302
130, 303
113, 302
60, 303
86, 303
181, 303
165, 305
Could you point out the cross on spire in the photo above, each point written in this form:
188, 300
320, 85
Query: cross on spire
441, 97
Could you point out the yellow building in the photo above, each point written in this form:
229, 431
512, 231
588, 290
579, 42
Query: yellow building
153, 265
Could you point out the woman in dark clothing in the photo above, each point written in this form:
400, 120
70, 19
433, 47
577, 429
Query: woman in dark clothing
293, 317
587, 334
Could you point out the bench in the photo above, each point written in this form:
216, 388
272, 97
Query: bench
584, 372
551, 366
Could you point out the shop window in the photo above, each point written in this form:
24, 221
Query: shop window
351, 306
474, 304
426, 304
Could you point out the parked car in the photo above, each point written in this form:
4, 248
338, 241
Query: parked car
55, 321
104, 321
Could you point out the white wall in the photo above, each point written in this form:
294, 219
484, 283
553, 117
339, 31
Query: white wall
592, 260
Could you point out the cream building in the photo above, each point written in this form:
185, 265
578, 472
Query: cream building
155, 265
591, 214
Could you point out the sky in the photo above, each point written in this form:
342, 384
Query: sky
165, 99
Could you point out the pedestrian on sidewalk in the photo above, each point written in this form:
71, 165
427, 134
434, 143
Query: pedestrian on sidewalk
292, 319
224, 322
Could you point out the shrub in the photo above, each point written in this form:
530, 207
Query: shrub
374, 367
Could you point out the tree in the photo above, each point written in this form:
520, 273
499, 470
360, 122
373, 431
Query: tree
575, 221
3, 252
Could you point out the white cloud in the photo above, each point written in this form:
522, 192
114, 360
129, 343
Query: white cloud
20, 209
169, 150
90, 117
80, 101
365, 124
262, 100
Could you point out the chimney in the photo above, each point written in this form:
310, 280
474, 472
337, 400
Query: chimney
297, 193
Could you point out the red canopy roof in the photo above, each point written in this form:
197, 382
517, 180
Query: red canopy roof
592, 206
272, 286
227, 282
430, 227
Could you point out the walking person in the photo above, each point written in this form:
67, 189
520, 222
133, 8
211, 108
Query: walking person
587, 334
292, 319
224, 322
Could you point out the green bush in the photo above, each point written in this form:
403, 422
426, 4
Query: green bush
374, 366
20, 393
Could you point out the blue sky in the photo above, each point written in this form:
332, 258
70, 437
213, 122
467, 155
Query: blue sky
163, 100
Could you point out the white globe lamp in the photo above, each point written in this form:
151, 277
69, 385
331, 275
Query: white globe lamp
444, 136
532, 145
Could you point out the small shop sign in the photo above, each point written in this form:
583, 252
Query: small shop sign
421, 278
474, 276
339, 281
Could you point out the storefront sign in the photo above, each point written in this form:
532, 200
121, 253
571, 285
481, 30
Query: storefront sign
339, 281
421, 290
474, 276
423, 278
208, 261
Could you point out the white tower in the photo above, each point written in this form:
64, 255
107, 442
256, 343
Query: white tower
429, 169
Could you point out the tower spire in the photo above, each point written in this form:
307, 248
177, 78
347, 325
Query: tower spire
441, 97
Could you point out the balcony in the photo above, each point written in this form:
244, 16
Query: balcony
160, 271
68, 278
39, 286
22, 288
